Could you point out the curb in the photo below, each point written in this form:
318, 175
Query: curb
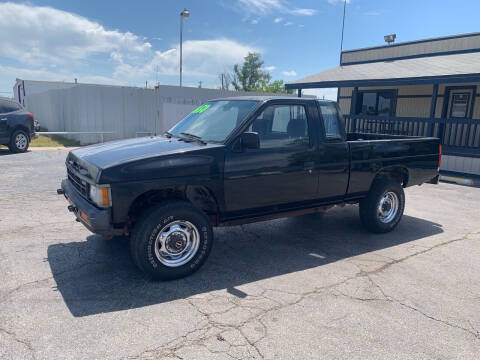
460, 180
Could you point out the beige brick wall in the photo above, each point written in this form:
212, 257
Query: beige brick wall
412, 107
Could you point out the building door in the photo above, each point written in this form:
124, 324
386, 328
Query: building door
458, 108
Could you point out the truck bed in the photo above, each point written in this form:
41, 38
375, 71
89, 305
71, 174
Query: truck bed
416, 157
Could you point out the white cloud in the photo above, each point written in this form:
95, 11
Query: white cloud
277, 20
200, 58
306, 12
264, 7
269, 68
288, 23
43, 74
289, 73
254, 22
50, 44
43, 35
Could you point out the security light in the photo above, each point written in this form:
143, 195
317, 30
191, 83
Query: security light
390, 39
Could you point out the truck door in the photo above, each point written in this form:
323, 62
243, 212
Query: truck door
280, 171
332, 157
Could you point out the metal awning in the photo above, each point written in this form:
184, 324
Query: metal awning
454, 68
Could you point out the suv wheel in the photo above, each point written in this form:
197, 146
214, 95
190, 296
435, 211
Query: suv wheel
19, 142
171, 240
382, 209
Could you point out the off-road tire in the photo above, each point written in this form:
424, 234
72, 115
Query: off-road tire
369, 206
146, 230
13, 147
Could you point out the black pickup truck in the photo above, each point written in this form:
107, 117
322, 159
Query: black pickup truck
239, 160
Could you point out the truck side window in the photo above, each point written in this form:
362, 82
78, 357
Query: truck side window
330, 121
282, 126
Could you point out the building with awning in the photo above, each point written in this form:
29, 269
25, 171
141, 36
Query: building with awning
422, 88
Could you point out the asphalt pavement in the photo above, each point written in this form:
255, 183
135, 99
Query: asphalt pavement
311, 287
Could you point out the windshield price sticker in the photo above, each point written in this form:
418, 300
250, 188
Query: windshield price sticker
201, 109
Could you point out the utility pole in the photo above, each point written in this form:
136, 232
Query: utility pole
200, 84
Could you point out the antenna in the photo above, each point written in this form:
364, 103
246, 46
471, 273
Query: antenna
343, 25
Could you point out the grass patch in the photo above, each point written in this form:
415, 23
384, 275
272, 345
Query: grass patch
53, 141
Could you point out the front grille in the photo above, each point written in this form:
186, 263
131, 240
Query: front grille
79, 184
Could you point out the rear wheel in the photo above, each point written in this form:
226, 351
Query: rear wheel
382, 209
19, 142
171, 240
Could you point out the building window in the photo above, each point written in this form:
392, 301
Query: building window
376, 102
459, 105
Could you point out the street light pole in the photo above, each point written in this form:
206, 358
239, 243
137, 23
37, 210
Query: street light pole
184, 14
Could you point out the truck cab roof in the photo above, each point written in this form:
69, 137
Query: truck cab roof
264, 98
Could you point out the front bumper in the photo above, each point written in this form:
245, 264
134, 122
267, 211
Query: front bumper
96, 220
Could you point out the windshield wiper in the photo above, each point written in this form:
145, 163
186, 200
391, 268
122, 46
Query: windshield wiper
194, 137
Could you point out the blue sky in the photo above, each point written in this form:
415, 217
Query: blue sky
130, 42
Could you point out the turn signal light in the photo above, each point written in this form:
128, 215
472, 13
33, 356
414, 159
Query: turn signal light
105, 197
439, 156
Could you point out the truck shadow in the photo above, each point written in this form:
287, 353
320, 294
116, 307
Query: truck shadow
5, 152
97, 276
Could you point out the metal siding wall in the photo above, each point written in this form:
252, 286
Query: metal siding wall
344, 105
413, 107
461, 164
123, 110
346, 91
472, 42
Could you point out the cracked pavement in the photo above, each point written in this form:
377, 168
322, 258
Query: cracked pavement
310, 287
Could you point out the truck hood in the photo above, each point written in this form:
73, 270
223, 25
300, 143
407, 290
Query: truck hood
145, 158
114, 153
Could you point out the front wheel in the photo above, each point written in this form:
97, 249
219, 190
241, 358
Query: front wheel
19, 142
382, 209
171, 240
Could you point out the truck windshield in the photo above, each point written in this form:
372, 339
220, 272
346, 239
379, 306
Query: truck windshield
214, 120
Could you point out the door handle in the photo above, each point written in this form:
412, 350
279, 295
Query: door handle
3, 119
308, 165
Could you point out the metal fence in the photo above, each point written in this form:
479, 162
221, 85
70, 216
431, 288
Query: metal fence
458, 136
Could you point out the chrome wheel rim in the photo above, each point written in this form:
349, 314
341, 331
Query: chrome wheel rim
177, 243
388, 207
21, 141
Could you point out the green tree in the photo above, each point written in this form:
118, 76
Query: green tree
276, 86
249, 76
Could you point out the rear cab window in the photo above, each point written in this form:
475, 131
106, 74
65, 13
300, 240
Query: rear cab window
331, 121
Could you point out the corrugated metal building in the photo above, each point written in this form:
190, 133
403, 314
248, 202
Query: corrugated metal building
124, 111
426, 87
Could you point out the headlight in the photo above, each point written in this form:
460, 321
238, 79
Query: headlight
101, 195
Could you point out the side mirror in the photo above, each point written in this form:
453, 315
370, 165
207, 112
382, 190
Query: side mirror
250, 140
